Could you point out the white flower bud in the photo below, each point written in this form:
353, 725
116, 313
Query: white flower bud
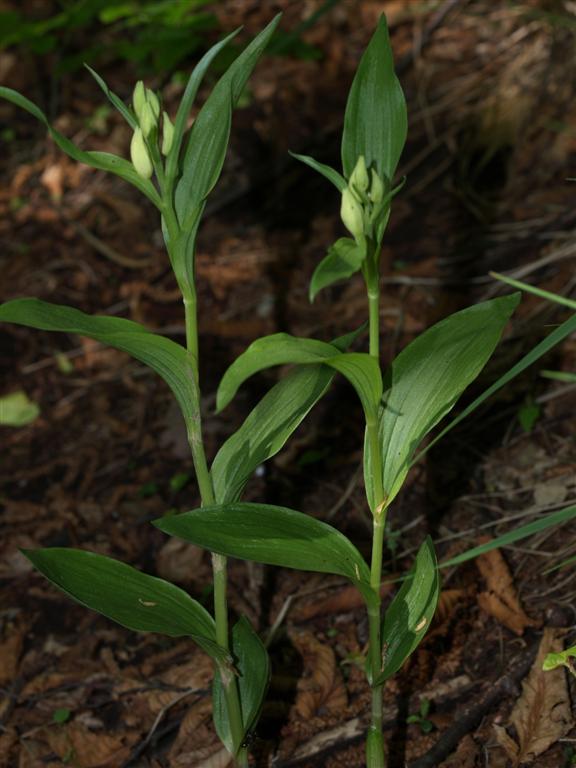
139, 155
351, 214
376, 188
154, 102
359, 180
147, 119
167, 134
139, 98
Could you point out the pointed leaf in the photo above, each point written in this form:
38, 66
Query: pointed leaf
269, 425
556, 298
343, 259
427, 378
410, 614
101, 160
360, 369
251, 662
131, 598
375, 122
114, 100
164, 356
324, 170
269, 534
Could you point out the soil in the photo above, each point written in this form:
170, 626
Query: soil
491, 88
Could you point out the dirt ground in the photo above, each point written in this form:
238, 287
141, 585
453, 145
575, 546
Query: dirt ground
491, 90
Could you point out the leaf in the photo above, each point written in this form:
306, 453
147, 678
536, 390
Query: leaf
324, 170
361, 370
164, 356
133, 599
269, 425
375, 122
557, 335
542, 715
426, 379
556, 298
410, 614
343, 259
547, 521
101, 160
114, 100
17, 410
206, 148
252, 664
269, 534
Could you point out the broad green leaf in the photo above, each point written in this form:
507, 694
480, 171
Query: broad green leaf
187, 102
251, 662
343, 259
550, 520
131, 598
428, 376
410, 614
375, 122
269, 534
361, 370
101, 160
164, 356
17, 410
324, 170
269, 425
557, 335
204, 155
114, 100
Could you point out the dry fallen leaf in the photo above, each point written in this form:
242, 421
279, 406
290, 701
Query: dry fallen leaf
501, 599
321, 688
542, 714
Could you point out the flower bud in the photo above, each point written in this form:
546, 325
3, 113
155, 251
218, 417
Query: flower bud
139, 98
351, 214
167, 134
147, 119
376, 188
154, 102
139, 155
359, 180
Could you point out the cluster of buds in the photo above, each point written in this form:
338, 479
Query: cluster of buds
363, 201
147, 110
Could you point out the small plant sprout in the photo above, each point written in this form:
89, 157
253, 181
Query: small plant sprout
176, 169
561, 659
420, 718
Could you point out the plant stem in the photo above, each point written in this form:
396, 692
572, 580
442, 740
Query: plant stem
375, 754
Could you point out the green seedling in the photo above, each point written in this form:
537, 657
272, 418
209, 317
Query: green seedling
420, 718
176, 170
61, 715
561, 659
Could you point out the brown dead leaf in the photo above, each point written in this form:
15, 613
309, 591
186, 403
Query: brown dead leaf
90, 749
321, 688
542, 714
501, 600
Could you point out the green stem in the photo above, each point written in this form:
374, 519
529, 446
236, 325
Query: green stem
194, 430
374, 310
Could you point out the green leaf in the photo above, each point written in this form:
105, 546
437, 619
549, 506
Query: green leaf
426, 379
269, 425
17, 410
410, 614
101, 160
557, 335
554, 297
129, 597
550, 520
252, 665
375, 122
324, 170
360, 369
343, 259
114, 100
206, 149
187, 101
269, 534
164, 356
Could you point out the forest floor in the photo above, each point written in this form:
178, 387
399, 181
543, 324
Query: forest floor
491, 90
